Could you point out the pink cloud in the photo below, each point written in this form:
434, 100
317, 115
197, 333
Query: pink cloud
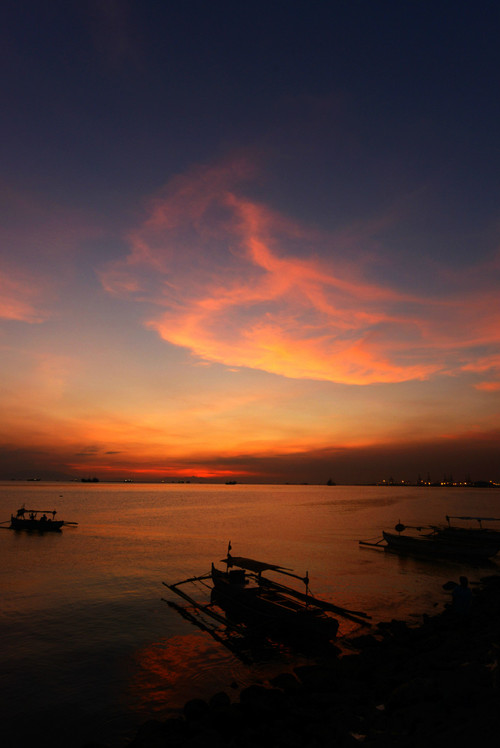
236, 283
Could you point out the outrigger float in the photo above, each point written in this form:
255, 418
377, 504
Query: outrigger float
443, 541
247, 603
37, 520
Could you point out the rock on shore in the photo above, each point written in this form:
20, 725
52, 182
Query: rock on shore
430, 686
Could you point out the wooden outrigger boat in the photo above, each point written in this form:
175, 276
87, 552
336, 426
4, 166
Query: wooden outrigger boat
245, 593
253, 604
441, 541
433, 545
37, 520
476, 534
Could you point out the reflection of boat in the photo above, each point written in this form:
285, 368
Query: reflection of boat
37, 519
263, 606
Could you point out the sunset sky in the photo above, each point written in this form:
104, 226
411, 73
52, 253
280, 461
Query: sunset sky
251, 241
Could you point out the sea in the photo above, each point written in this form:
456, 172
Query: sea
90, 647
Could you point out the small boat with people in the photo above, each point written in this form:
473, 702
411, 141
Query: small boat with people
39, 520
240, 595
441, 541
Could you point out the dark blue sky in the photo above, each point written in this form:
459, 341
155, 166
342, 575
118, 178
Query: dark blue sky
95, 93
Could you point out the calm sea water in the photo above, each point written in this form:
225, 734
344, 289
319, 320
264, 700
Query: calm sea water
90, 650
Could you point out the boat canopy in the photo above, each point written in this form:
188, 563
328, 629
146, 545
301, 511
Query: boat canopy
251, 565
23, 511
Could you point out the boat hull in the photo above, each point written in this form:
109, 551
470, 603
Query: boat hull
36, 525
440, 547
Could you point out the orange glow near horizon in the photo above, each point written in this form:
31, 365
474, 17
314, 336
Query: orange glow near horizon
153, 472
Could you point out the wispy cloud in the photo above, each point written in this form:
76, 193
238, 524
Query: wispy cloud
487, 367
489, 386
40, 245
239, 284
20, 298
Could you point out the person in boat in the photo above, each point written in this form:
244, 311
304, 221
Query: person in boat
462, 598
43, 518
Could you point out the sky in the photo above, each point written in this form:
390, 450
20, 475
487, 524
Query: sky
251, 241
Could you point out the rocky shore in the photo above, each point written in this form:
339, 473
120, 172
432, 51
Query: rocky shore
430, 686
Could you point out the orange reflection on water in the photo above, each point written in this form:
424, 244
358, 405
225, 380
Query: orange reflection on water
170, 672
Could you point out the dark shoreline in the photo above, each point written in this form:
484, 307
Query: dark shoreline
401, 686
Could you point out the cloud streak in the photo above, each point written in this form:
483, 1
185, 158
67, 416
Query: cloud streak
239, 284
41, 244
20, 298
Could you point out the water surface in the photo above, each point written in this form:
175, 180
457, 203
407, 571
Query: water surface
90, 650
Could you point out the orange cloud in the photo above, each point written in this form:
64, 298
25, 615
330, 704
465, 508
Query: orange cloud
238, 284
489, 386
486, 365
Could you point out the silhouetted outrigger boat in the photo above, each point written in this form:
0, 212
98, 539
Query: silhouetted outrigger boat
442, 541
37, 520
476, 534
251, 603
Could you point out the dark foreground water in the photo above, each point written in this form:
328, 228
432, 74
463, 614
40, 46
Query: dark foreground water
89, 649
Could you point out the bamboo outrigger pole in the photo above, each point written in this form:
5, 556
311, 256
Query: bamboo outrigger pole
478, 519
